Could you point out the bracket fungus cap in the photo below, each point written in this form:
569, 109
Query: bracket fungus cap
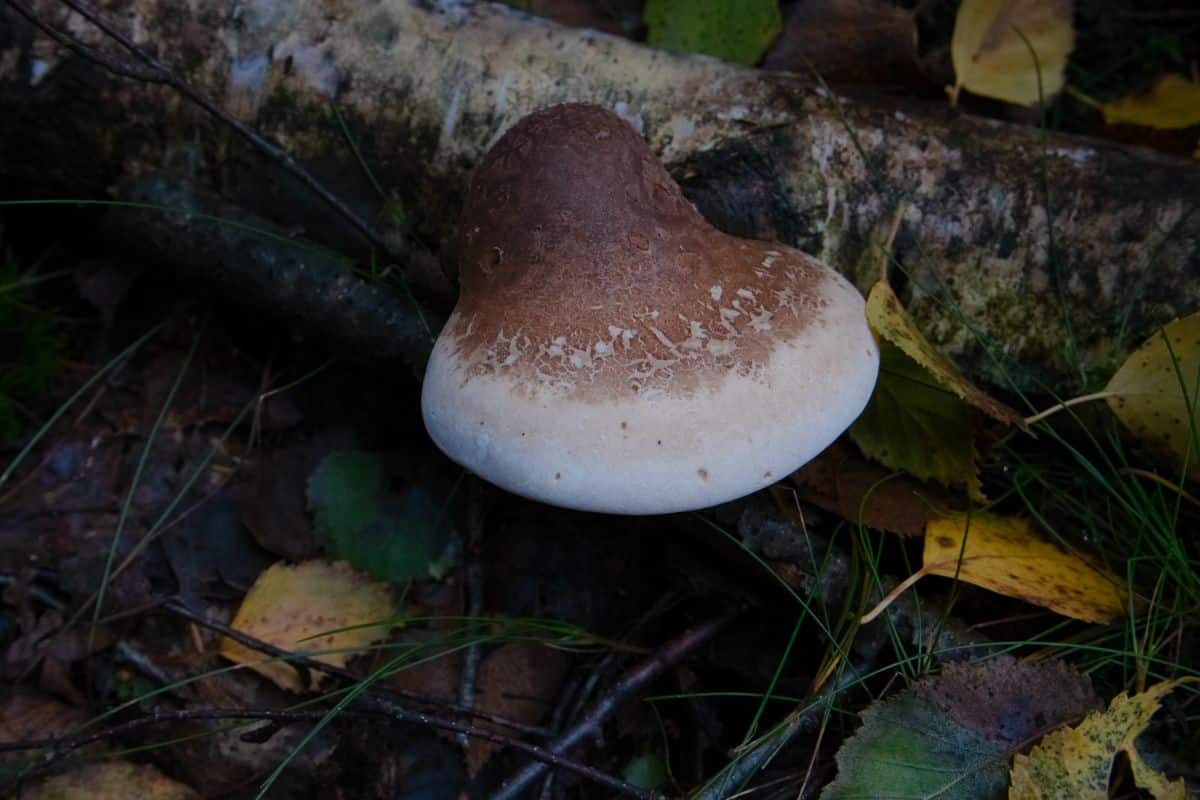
612, 351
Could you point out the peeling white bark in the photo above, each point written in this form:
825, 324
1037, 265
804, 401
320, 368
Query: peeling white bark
428, 86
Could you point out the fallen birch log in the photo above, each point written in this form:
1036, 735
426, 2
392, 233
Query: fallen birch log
1035, 260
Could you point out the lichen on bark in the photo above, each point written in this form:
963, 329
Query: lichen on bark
1033, 259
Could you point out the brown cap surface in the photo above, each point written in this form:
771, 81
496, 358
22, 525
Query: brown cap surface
612, 351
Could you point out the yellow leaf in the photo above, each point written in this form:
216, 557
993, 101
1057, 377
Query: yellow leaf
1004, 554
1076, 762
891, 322
111, 780
1174, 102
1155, 392
994, 43
303, 608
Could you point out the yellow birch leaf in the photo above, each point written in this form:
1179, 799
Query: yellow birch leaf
1173, 103
1004, 554
994, 43
304, 608
1156, 392
891, 322
1076, 762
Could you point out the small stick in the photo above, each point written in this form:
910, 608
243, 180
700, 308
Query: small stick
899, 589
633, 681
304, 663
60, 748
474, 589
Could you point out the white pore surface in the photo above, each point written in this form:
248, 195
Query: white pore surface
674, 453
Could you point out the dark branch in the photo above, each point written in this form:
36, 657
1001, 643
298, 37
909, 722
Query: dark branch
383, 697
634, 681
62, 747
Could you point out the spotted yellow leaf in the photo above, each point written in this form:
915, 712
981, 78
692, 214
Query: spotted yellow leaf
1005, 555
1173, 102
310, 608
1156, 392
1012, 50
1077, 762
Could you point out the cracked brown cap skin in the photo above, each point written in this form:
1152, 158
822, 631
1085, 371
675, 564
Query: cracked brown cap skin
612, 351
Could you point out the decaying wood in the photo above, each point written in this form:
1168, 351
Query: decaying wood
258, 264
1025, 242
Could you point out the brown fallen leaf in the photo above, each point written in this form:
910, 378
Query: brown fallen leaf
313, 607
440, 676
32, 715
518, 681
848, 42
843, 482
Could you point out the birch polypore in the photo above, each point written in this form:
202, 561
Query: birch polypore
612, 351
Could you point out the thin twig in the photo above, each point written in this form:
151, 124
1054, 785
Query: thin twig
62, 747
304, 664
634, 681
143, 663
474, 589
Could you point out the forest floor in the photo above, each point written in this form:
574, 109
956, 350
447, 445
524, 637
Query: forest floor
183, 482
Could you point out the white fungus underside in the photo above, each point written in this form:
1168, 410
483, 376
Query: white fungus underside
674, 453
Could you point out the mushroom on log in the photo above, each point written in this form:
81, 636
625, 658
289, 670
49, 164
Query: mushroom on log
612, 351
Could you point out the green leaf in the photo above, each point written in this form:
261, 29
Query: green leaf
646, 772
952, 735
913, 423
392, 536
735, 30
344, 491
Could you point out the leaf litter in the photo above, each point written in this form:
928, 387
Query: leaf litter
885, 494
1077, 762
320, 608
952, 734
